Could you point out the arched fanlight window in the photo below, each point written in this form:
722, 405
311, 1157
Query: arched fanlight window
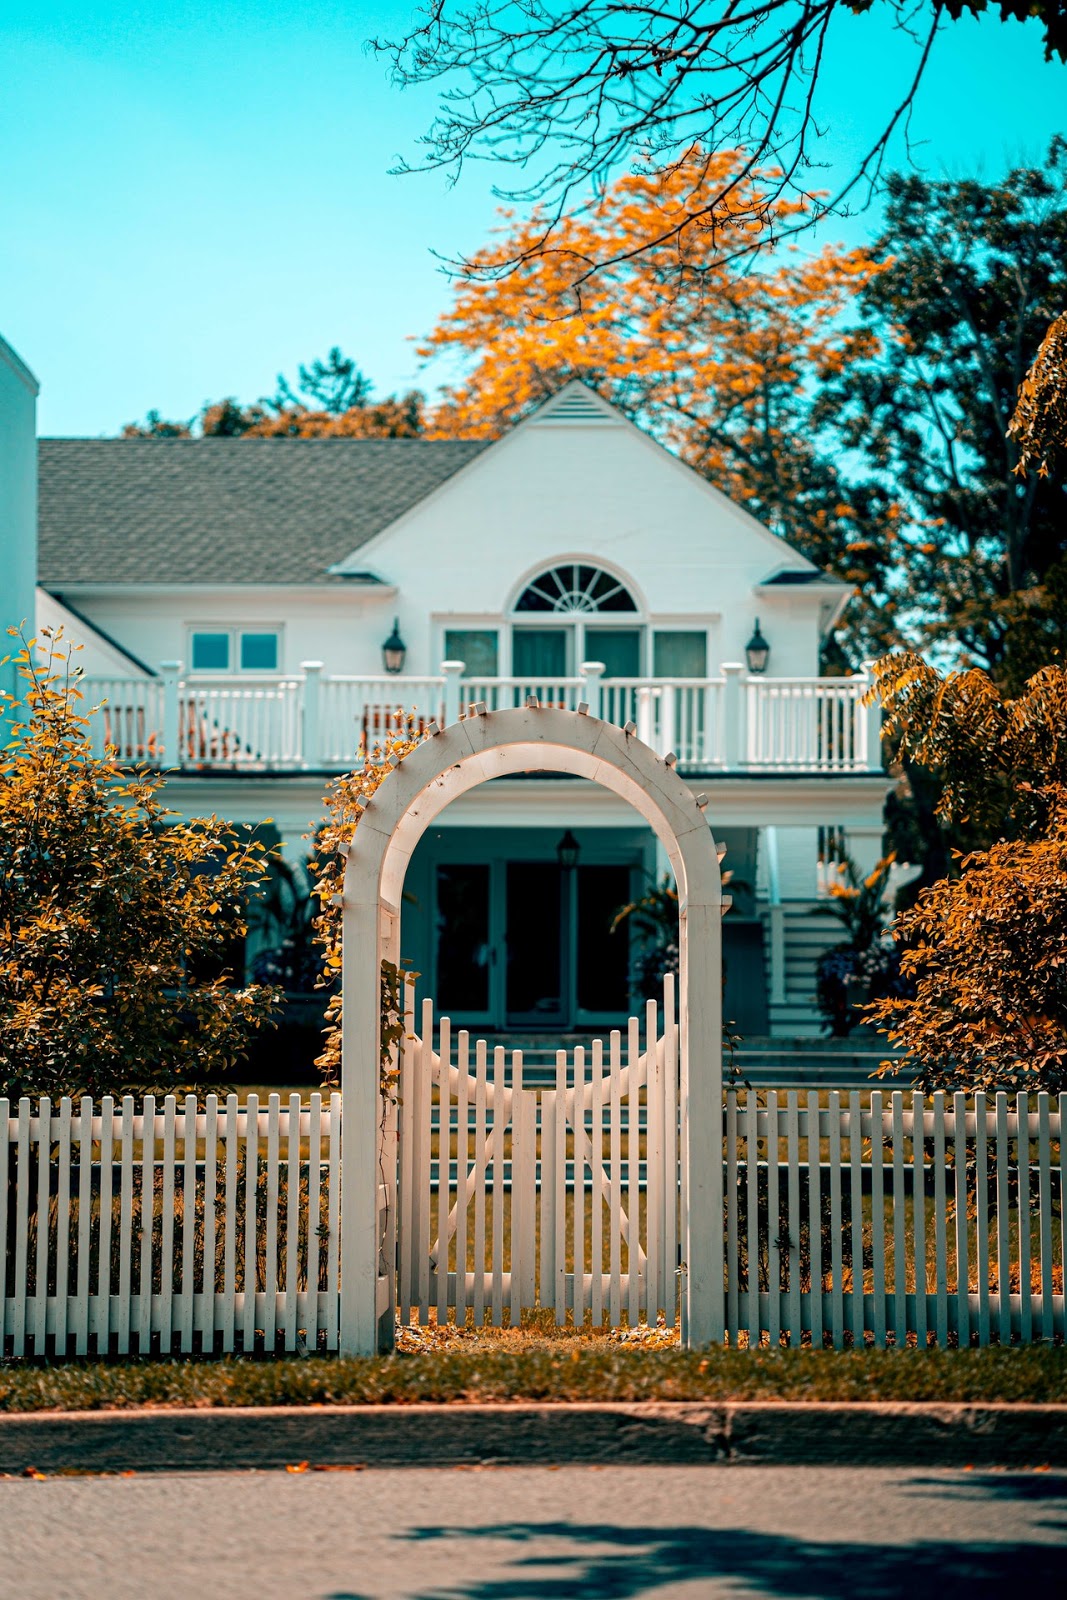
574, 587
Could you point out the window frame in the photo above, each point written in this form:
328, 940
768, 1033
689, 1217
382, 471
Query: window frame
493, 628
234, 633
679, 625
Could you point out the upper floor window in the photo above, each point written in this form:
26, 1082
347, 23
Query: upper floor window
227, 649
573, 587
210, 652
477, 648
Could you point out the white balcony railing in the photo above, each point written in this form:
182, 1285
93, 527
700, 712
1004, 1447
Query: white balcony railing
314, 721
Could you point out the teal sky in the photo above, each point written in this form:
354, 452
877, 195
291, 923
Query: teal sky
195, 198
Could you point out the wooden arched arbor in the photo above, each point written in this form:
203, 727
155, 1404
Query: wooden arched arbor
458, 758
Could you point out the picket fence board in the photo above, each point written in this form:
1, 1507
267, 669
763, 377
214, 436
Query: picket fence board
596, 1185
499, 1118
731, 1215
1023, 1217
773, 1319
615, 1172
578, 1124
919, 1218
481, 1133
633, 1192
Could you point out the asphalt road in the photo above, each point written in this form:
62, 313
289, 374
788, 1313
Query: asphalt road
605, 1533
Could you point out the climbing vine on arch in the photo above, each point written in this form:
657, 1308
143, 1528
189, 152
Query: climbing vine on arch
345, 800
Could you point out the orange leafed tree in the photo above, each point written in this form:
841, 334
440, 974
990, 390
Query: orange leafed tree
1040, 421
662, 332
723, 365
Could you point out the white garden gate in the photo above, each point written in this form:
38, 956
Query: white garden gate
477, 749
564, 1195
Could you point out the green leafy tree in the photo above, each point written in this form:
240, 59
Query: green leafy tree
115, 915
335, 386
330, 399
974, 272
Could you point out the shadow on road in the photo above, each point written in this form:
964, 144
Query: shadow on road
612, 1561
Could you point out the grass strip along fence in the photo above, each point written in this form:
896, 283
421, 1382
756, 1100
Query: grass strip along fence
561, 1369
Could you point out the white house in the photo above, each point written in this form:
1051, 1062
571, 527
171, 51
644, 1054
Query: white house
240, 600
18, 499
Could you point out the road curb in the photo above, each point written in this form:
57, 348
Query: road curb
652, 1433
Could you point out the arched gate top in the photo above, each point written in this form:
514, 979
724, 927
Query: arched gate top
531, 739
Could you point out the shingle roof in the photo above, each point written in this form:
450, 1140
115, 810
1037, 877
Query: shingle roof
225, 510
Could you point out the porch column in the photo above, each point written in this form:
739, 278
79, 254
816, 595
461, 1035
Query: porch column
732, 716
170, 671
453, 672
591, 672
311, 732
776, 916
646, 716
874, 725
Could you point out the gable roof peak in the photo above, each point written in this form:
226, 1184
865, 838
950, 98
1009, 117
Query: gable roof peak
576, 403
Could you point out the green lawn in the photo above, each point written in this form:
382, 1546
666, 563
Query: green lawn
526, 1367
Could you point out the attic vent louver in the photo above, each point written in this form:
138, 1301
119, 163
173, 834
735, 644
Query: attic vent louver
579, 406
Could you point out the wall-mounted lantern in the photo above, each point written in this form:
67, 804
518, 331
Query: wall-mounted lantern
394, 649
567, 852
757, 650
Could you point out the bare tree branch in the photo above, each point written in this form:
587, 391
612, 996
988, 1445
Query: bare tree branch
568, 92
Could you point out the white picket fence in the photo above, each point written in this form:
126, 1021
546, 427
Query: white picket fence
894, 1218
104, 1253
566, 1198
849, 1220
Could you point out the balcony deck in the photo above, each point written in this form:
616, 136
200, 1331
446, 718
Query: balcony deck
313, 721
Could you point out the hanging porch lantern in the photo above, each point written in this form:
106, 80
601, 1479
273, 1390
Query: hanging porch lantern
394, 650
567, 852
757, 651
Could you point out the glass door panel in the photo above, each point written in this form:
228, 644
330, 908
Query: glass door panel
678, 654
539, 662
539, 652
603, 957
463, 946
476, 648
534, 944
620, 651
618, 648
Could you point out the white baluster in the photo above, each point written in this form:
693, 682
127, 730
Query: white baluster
310, 748
453, 672
171, 673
